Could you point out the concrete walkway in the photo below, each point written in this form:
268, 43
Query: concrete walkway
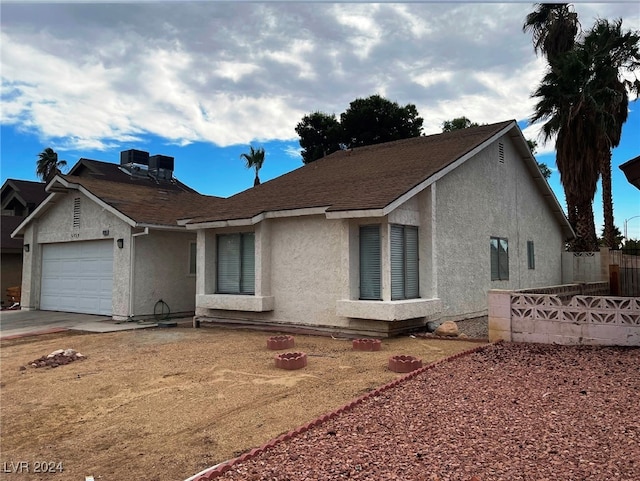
19, 323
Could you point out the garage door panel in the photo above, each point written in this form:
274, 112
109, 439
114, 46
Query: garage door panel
78, 277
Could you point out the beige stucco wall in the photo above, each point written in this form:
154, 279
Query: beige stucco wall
162, 272
307, 267
299, 272
484, 198
57, 226
161, 258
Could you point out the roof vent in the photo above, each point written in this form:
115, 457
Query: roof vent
133, 156
161, 167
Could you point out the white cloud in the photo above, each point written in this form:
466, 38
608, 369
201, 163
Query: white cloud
230, 73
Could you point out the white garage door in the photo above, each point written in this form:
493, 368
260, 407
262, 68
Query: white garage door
77, 277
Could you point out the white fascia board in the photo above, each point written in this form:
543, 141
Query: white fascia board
295, 212
175, 228
439, 175
355, 214
255, 219
219, 223
43, 207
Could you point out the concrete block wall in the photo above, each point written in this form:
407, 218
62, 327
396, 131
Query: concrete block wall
586, 320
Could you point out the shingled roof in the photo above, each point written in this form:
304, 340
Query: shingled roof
145, 205
363, 178
28, 191
138, 205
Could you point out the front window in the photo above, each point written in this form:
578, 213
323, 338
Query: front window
370, 262
499, 259
236, 263
404, 262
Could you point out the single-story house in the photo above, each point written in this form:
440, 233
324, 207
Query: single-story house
380, 239
106, 240
19, 198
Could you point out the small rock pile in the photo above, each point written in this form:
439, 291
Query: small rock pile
58, 358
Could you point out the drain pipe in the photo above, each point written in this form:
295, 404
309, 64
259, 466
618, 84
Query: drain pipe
132, 268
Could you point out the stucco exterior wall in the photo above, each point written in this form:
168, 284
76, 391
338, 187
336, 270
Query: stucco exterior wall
158, 262
482, 198
162, 272
56, 225
298, 266
307, 267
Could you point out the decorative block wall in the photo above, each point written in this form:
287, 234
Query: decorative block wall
592, 320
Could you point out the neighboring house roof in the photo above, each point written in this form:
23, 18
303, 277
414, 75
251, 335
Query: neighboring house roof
114, 172
631, 170
152, 206
371, 180
24, 194
9, 224
27, 192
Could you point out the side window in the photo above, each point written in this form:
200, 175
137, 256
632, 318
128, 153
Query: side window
236, 263
192, 258
370, 262
531, 258
404, 262
499, 259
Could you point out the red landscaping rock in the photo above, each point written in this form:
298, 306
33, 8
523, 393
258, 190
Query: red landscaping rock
291, 360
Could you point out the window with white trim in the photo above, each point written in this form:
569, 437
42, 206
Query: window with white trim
236, 263
370, 263
404, 262
499, 259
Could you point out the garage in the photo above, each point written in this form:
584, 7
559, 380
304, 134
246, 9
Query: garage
77, 277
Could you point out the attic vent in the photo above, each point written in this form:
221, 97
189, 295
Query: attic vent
501, 152
76, 213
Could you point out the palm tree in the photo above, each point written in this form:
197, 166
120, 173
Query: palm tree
584, 104
254, 160
554, 27
613, 51
48, 164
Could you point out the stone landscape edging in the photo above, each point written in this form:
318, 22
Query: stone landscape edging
219, 469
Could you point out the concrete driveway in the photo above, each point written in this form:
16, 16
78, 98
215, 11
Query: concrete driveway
21, 323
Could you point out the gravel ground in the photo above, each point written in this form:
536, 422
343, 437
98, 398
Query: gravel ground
509, 412
476, 328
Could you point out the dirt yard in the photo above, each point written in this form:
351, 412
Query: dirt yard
164, 404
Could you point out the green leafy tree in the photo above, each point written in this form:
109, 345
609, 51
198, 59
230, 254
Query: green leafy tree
254, 160
618, 238
632, 244
367, 121
48, 164
544, 168
320, 135
580, 105
375, 120
457, 124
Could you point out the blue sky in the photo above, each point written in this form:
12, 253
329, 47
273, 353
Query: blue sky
202, 81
